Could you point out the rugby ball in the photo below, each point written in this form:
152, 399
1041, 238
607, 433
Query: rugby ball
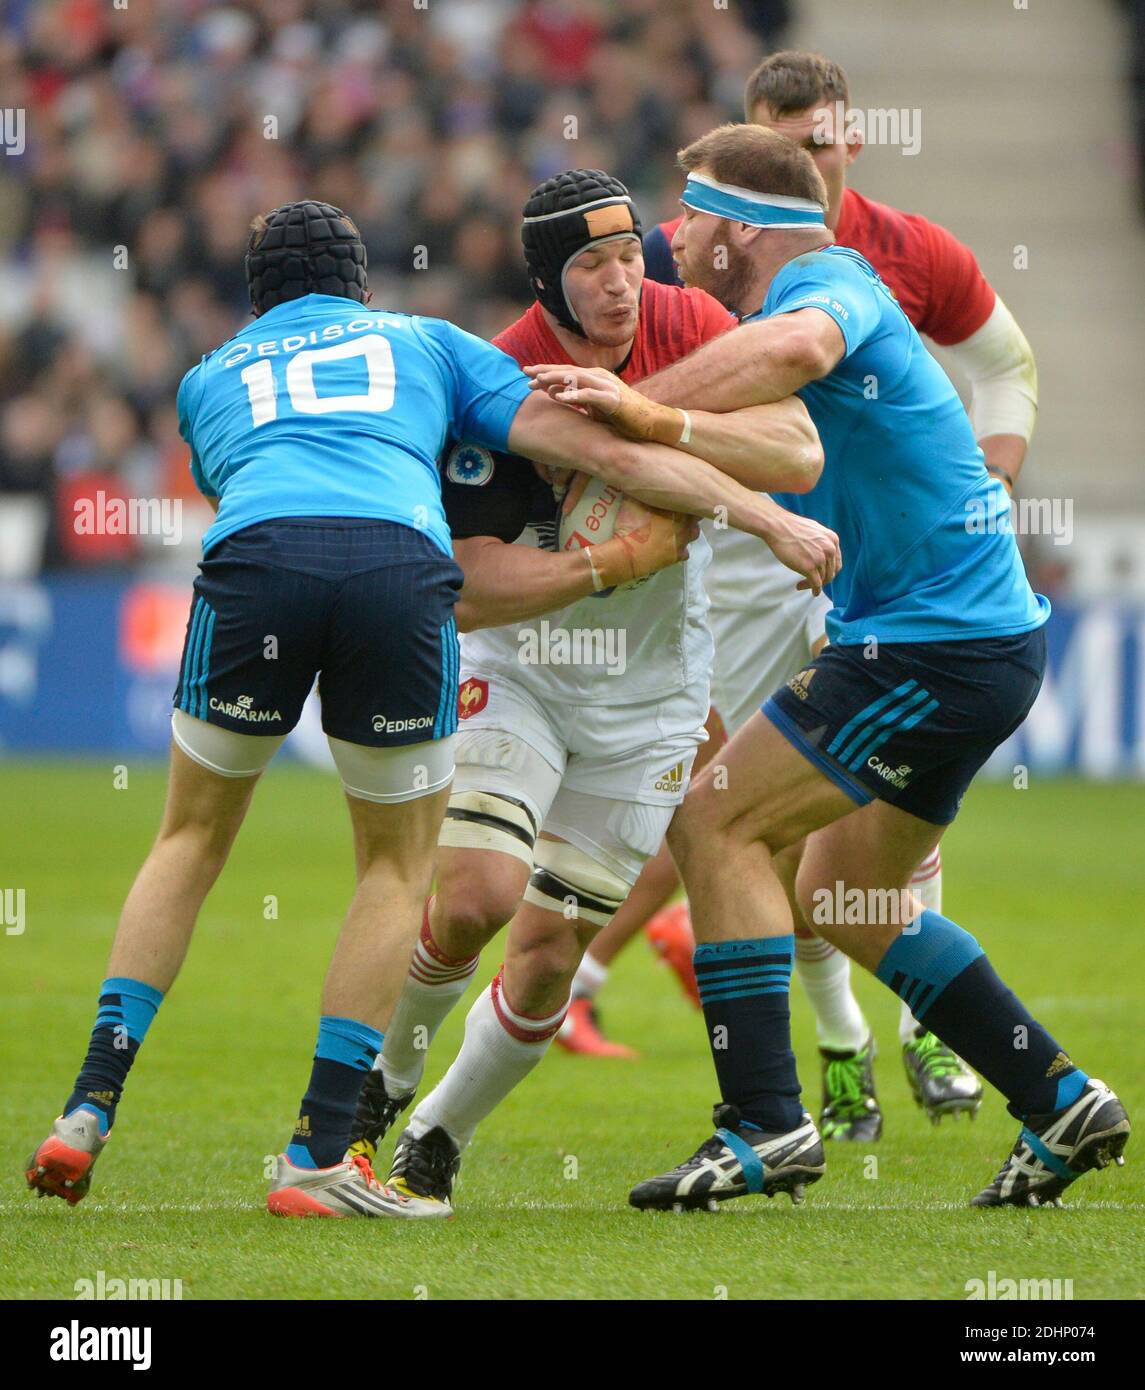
588, 517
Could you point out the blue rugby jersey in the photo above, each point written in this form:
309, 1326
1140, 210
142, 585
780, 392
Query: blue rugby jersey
928, 548
321, 407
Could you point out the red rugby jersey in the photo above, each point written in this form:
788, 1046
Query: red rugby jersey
672, 323
934, 276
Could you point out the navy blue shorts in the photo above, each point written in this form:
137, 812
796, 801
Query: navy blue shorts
367, 606
913, 725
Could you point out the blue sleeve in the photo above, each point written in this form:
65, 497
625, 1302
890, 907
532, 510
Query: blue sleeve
838, 287
191, 390
486, 386
658, 262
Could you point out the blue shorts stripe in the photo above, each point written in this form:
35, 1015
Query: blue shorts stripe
196, 662
454, 678
447, 680
189, 657
831, 770
205, 661
437, 718
872, 709
889, 716
903, 728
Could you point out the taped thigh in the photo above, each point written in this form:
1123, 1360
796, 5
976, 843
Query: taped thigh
568, 881
620, 836
402, 772
223, 751
501, 793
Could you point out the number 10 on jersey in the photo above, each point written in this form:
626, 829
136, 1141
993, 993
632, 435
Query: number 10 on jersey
262, 387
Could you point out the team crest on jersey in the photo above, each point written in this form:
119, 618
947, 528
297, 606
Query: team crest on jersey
472, 697
469, 463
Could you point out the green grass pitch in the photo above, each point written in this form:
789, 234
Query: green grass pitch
1049, 878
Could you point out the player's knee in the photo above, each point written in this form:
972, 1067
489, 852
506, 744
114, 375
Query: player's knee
204, 842
692, 824
470, 909
810, 888
539, 972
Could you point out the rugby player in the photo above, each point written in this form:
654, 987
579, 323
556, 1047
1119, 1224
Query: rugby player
567, 775
936, 652
315, 434
943, 292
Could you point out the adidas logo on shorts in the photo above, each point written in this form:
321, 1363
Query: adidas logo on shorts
672, 780
798, 684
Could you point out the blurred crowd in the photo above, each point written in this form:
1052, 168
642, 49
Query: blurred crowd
154, 132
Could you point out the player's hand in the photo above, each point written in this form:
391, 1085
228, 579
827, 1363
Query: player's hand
644, 541
807, 548
595, 389
602, 394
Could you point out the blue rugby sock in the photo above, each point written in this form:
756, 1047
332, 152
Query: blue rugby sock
744, 990
126, 1008
951, 988
345, 1053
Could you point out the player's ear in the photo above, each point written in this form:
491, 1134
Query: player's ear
854, 142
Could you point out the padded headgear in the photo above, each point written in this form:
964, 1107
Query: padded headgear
304, 248
563, 217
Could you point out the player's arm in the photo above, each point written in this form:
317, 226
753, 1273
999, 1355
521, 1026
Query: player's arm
561, 437
964, 315
755, 364
486, 407
769, 448
999, 367
188, 397
512, 583
490, 497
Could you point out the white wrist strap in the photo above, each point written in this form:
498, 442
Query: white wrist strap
597, 582
686, 434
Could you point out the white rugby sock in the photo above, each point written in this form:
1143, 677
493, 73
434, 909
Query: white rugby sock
589, 977
926, 885
501, 1048
434, 984
826, 976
